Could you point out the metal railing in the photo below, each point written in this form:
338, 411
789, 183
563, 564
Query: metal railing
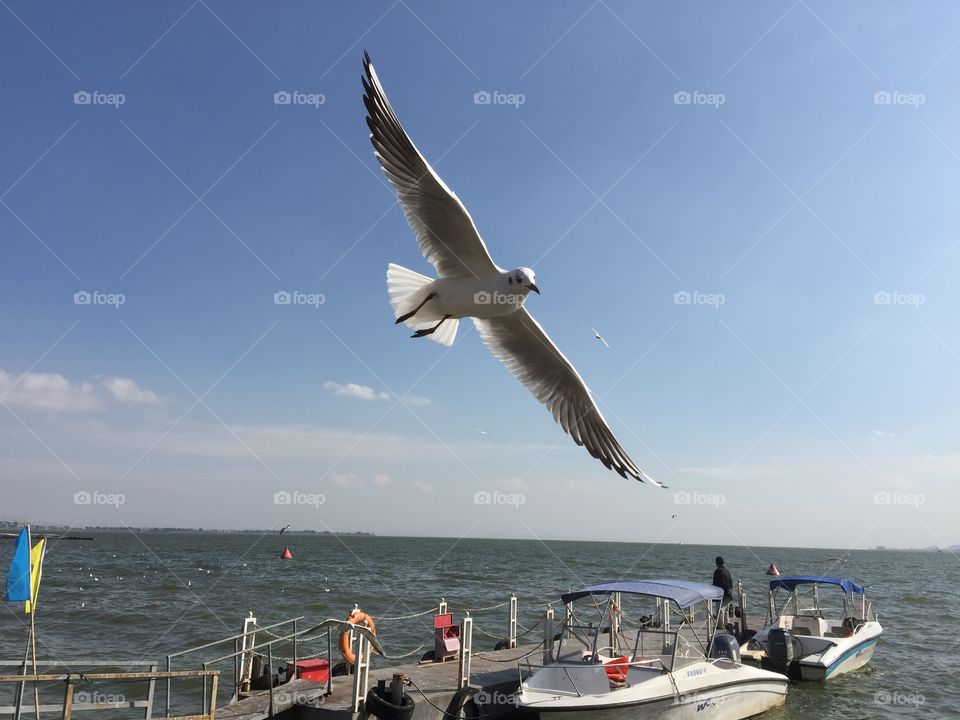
74, 679
237, 654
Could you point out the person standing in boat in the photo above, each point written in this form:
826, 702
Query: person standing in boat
722, 579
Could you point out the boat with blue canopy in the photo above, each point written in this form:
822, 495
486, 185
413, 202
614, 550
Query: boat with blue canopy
810, 637
639, 649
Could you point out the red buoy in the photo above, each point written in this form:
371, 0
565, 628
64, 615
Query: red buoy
772, 570
286, 554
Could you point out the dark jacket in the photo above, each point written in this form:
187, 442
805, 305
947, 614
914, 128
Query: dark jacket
722, 579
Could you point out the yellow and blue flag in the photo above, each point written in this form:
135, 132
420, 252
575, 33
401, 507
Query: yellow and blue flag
18, 577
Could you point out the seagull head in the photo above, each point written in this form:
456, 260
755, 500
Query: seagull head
524, 278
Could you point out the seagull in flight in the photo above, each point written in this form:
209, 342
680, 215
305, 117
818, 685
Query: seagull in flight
472, 285
599, 337
284, 528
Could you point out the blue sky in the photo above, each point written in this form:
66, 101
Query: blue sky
791, 169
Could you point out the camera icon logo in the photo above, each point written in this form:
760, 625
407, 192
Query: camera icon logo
682, 298
882, 298
82, 97
282, 497
482, 298
82, 498
482, 497
882, 97
82, 298
282, 297
282, 97
482, 97
682, 97
681, 498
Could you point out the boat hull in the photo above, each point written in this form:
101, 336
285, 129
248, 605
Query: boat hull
846, 660
745, 697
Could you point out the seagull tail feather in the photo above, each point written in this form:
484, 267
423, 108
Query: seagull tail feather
407, 289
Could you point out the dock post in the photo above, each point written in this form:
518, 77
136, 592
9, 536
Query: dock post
512, 623
743, 610
269, 676
548, 637
466, 651
361, 670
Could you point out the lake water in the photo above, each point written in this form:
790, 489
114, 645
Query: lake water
140, 596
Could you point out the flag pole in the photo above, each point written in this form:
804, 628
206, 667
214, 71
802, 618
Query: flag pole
33, 627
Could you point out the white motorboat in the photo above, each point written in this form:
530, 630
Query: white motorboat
669, 666
801, 641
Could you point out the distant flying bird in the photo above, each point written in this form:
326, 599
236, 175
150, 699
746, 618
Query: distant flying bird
284, 529
482, 432
472, 285
674, 517
599, 337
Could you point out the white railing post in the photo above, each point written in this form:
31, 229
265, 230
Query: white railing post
442, 609
466, 651
548, 637
615, 623
512, 623
361, 670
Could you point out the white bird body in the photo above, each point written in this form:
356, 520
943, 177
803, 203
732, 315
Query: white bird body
471, 284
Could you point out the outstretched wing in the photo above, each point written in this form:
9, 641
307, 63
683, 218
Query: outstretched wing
522, 345
444, 229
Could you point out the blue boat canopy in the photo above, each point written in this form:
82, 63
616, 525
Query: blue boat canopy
683, 593
790, 582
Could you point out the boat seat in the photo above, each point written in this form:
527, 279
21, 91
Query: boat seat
801, 631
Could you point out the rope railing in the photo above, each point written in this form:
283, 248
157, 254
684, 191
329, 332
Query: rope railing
411, 616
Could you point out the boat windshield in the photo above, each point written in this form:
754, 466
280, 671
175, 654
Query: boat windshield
818, 601
651, 631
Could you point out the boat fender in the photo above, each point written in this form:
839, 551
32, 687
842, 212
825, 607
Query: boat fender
356, 617
378, 704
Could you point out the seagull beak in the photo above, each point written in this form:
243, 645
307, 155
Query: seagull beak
534, 288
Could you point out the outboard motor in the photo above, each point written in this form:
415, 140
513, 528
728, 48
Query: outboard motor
725, 646
780, 651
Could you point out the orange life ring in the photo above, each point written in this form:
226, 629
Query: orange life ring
356, 617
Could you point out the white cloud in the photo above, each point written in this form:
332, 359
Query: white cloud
415, 400
363, 392
46, 391
884, 434
126, 390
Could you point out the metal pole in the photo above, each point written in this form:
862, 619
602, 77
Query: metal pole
329, 661
512, 623
548, 637
294, 649
168, 687
204, 705
361, 667
466, 651
614, 623
270, 674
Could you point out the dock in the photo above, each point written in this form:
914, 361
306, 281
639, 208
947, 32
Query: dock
494, 677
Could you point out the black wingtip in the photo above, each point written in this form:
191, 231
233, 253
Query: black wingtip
366, 59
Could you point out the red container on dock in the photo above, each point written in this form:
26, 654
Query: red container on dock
317, 670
